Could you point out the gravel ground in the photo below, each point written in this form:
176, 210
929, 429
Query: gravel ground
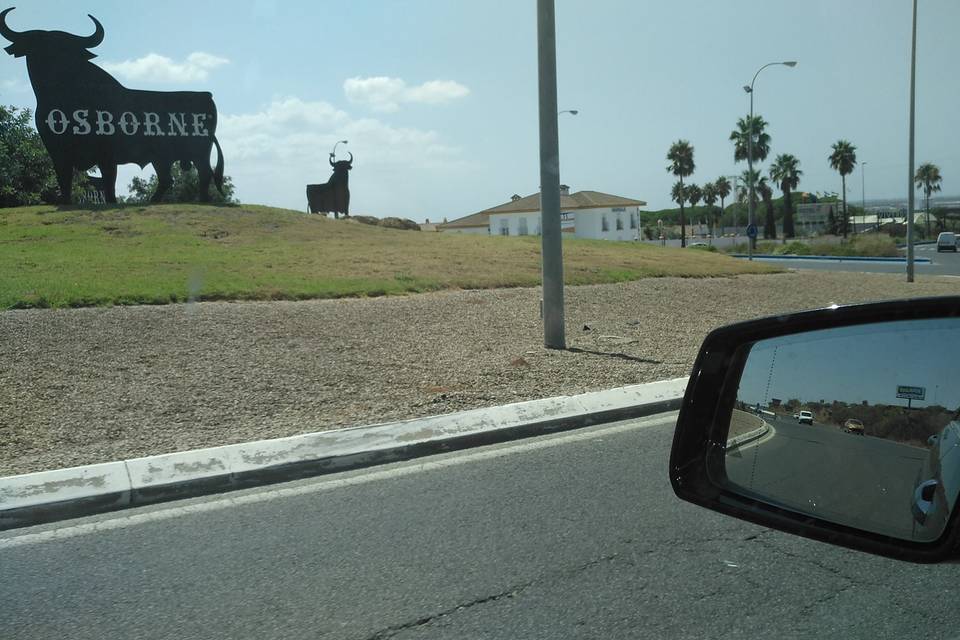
82, 386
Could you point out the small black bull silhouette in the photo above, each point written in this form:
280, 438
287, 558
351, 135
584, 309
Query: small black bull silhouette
334, 194
87, 118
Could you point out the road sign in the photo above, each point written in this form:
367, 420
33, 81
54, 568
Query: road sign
911, 393
752, 231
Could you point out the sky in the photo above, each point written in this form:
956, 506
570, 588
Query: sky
856, 364
438, 100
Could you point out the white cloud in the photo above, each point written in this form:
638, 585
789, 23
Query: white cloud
387, 94
156, 68
273, 153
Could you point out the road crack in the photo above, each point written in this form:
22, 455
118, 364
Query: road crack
509, 592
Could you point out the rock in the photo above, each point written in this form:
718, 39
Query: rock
399, 223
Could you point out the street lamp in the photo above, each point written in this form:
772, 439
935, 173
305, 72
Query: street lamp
749, 89
913, 86
863, 197
572, 112
333, 154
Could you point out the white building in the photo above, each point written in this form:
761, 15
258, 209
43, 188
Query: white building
584, 214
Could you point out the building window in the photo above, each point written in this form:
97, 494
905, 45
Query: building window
633, 221
504, 227
604, 225
619, 223
523, 227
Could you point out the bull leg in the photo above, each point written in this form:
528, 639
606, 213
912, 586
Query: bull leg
109, 172
204, 175
64, 170
164, 180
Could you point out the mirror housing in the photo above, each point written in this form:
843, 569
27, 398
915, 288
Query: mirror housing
697, 462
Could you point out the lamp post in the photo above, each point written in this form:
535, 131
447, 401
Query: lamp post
913, 74
554, 335
333, 154
749, 89
572, 112
863, 196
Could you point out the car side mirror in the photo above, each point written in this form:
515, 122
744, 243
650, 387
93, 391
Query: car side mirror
839, 424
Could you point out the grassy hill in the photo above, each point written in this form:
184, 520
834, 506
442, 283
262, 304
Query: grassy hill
132, 254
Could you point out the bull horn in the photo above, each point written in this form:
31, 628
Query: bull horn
6, 31
93, 40
351, 157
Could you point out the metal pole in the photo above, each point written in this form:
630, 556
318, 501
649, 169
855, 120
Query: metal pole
750, 241
913, 73
551, 240
863, 196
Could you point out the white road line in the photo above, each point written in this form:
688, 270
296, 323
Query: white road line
320, 485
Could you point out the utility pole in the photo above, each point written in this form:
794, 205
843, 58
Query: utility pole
913, 74
552, 238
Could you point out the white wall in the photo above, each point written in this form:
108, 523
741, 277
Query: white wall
590, 224
513, 223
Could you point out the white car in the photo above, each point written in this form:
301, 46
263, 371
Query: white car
805, 417
947, 241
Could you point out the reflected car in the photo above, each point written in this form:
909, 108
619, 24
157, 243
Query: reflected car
853, 426
805, 417
938, 486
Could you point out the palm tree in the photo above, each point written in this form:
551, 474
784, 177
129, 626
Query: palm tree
709, 198
741, 138
681, 165
843, 159
770, 224
679, 195
928, 178
748, 177
723, 190
785, 171
694, 193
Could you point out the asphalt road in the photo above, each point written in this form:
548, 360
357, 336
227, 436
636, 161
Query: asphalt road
943, 264
570, 536
861, 481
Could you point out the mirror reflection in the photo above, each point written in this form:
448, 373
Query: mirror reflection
856, 425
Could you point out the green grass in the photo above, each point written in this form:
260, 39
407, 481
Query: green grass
130, 254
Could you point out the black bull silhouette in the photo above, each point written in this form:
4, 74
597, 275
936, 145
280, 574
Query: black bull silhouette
334, 194
85, 117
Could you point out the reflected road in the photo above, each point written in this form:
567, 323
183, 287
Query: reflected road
820, 470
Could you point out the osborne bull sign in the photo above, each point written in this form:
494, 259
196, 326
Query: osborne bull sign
334, 194
87, 118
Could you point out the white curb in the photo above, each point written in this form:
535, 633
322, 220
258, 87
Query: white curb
50, 495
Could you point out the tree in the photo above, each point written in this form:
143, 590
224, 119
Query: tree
709, 198
831, 222
679, 195
681, 165
770, 223
843, 160
741, 139
723, 190
26, 172
928, 179
785, 171
185, 188
748, 178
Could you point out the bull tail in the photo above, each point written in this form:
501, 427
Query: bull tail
218, 172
